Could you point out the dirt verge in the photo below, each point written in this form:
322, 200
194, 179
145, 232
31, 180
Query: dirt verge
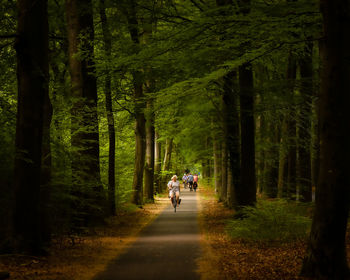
82, 257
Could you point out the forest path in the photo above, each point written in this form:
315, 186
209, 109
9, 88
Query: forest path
166, 249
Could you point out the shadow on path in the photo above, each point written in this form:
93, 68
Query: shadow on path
166, 249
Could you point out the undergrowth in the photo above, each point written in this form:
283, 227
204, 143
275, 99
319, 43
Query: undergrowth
271, 221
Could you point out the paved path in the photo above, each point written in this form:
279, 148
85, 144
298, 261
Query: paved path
166, 249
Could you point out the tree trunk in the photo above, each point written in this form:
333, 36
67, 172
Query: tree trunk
304, 139
272, 162
291, 133
33, 81
157, 162
246, 194
217, 165
140, 122
45, 179
166, 162
149, 168
167, 154
84, 122
283, 163
107, 38
326, 256
223, 190
140, 149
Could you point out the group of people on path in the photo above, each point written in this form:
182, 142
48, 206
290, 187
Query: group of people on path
174, 185
190, 180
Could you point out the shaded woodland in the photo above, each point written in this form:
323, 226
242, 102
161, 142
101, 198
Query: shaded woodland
101, 101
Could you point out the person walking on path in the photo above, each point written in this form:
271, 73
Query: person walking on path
174, 189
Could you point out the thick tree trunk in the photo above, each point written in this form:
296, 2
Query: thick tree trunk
326, 256
33, 82
304, 139
45, 179
246, 194
84, 122
149, 167
140, 149
140, 122
107, 37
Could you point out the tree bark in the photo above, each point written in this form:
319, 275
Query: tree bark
223, 190
45, 177
149, 168
326, 255
33, 81
157, 162
272, 162
291, 133
167, 154
107, 37
84, 121
140, 122
140, 149
283, 163
217, 165
246, 194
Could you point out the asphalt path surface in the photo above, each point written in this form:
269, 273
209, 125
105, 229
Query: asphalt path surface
166, 249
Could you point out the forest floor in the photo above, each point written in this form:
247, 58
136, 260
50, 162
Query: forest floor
82, 257
225, 258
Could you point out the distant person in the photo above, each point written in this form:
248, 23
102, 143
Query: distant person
190, 180
174, 189
184, 180
195, 182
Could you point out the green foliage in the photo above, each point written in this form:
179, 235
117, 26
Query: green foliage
270, 221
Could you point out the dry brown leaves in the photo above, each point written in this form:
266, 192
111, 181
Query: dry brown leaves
89, 255
224, 258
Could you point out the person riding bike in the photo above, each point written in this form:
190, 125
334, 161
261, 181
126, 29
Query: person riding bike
184, 180
174, 189
190, 181
195, 182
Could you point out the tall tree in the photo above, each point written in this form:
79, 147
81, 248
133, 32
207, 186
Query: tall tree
150, 140
326, 255
33, 78
84, 121
140, 129
107, 38
246, 195
157, 162
291, 131
150, 117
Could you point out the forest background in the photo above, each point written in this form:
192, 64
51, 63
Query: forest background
105, 99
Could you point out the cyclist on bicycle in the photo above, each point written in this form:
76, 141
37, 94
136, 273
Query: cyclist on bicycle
174, 188
184, 180
195, 182
190, 180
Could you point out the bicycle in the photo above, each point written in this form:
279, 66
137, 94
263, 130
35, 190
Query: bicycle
174, 202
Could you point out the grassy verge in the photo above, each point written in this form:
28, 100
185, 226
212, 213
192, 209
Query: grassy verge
89, 254
229, 256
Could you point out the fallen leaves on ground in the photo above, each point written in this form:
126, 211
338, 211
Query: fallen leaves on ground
89, 254
224, 258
